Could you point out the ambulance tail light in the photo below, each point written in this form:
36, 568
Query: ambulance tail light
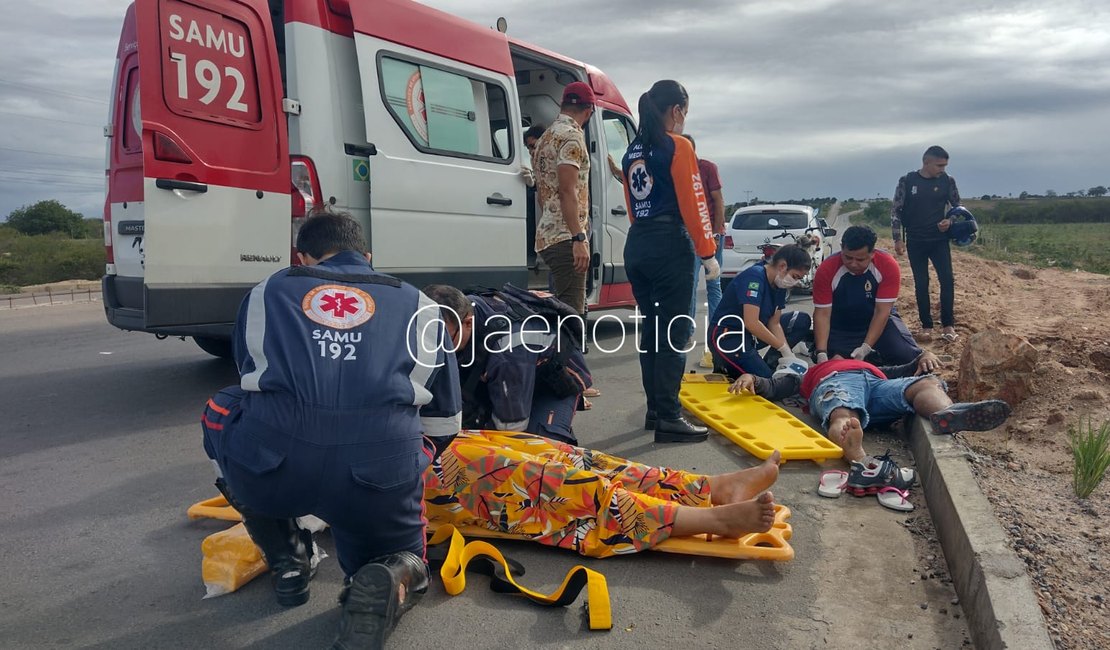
169, 151
305, 196
109, 251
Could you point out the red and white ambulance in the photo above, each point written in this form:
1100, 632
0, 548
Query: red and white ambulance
231, 118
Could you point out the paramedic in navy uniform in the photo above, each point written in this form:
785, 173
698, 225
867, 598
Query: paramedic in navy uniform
516, 376
853, 304
670, 226
343, 374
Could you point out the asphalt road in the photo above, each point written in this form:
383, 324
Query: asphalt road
100, 454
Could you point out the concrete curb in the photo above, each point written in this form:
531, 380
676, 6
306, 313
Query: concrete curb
996, 593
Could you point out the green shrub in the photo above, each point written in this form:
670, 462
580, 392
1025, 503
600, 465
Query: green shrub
1090, 448
39, 259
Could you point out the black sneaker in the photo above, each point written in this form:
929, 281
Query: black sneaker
873, 474
973, 416
679, 430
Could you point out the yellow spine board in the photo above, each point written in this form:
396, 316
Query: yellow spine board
755, 424
770, 546
214, 508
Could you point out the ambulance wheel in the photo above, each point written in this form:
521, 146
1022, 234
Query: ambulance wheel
216, 347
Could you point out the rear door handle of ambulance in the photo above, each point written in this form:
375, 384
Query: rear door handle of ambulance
171, 184
619, 211
497, 199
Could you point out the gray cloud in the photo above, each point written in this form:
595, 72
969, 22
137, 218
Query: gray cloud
813, 98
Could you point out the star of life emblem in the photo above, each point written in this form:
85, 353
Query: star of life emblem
640, 181
338, 306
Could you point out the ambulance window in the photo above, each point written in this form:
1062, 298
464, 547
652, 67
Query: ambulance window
618, 134
501, 143
444, 112
132, 123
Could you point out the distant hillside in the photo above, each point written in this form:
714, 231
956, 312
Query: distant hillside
1046, 210
1013, 211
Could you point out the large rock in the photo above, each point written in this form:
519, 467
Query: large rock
996, 365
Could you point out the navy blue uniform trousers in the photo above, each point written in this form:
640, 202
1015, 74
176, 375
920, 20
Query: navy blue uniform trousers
659, 258
895, 345
371, 494
795, 325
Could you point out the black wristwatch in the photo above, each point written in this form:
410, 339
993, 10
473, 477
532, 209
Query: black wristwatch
579, 237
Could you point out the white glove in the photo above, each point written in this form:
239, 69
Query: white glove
528, 176
786, 351
712, 268
792, 366
860, 353
822, 357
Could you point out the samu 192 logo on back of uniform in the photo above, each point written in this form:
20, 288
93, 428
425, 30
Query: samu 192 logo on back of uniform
639, 180
338, 306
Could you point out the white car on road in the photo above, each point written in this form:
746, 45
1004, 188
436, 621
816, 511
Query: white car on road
754, 226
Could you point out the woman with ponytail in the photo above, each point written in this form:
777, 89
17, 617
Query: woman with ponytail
670, 226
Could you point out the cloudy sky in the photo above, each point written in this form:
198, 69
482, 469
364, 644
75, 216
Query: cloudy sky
800, 99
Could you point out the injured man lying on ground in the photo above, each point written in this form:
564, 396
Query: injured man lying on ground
848, 396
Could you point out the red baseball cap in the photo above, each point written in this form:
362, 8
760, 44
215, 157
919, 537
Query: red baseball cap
578, 92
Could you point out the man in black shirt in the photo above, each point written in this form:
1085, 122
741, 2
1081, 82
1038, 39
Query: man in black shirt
921, 202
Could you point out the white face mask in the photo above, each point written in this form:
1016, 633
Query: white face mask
786, 281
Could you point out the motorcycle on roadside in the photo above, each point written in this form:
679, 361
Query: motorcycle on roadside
810, 240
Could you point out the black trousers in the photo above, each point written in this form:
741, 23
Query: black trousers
939, 252
659, 258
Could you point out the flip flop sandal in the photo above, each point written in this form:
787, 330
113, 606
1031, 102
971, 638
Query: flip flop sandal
950, 336
895, 499
971, 416
832, 483
591, 392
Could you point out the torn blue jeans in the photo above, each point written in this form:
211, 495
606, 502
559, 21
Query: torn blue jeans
875, 400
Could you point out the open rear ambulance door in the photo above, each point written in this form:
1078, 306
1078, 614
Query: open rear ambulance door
447, 202
216, 175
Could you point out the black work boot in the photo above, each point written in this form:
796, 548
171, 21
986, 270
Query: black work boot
288, 552
679, 430
376, 598
287, 548
649, 420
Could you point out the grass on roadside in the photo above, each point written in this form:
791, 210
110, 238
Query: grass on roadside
1083, 246
1090, 448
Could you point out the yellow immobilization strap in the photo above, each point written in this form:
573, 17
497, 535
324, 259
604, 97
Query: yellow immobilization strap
460, 553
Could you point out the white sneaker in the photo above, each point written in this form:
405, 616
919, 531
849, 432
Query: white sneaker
706, 360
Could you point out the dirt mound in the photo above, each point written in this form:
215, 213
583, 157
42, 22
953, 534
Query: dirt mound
1025, 466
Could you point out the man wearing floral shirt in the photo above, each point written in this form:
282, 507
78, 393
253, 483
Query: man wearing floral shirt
562, 165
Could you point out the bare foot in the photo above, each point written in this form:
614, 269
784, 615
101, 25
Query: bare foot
853, 440
739, 519
745, 484
848, 434
732, 520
